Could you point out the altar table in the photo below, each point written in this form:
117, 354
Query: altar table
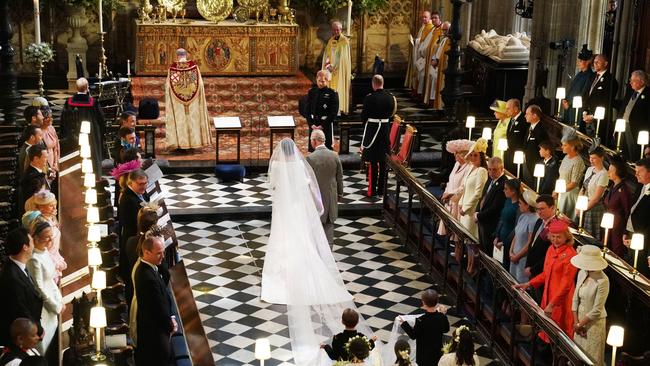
227, 48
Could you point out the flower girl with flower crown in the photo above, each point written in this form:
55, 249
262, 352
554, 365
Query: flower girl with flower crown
460, 351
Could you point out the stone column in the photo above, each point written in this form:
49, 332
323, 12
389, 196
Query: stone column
9, 96
552, 20
622, 48
593, 16
451, 92
77, 45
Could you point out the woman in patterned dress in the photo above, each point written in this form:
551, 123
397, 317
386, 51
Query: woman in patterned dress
593, 186
572, 170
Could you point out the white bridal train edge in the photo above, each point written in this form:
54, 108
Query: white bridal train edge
299, 268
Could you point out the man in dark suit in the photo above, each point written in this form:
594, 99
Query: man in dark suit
516, 133
491, 204
428, 330
20, 296
378, 108
32, 135
127, 211
537, 133
154, 318
126, 140
540, 242
601, 93
636, 112
638, 220
551, 168
322, 108
329, 174
35, 177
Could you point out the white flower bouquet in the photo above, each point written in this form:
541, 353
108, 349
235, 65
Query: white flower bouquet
39, 52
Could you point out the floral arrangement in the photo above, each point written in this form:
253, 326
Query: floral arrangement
329, 7
36, 53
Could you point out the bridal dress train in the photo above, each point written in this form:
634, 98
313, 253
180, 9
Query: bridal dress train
299, 268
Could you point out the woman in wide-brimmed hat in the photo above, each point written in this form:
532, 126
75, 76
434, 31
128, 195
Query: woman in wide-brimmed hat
454, 188
501, 129
557, 278
589, 300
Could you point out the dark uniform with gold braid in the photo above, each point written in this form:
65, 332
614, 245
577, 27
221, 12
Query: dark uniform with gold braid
323, 106
378, 108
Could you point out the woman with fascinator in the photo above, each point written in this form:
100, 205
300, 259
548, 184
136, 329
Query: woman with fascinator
572, 169
472, 190
299, 268
45, 203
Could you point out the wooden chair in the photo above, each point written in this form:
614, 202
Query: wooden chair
394, 133
403, 157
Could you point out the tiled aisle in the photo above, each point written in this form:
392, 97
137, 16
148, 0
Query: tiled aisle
205, 191
224, 262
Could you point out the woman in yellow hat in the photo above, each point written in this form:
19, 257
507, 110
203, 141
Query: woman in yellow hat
499, 108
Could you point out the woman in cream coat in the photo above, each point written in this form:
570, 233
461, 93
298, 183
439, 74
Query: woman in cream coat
589, 300
472, 190
42, 269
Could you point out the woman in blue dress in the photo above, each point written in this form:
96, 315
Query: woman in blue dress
508, 219
523, 235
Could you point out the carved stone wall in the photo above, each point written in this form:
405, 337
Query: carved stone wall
387, 35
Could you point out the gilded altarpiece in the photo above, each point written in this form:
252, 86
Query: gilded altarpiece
227, 48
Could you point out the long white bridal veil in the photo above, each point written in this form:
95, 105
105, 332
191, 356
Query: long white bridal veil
299, 268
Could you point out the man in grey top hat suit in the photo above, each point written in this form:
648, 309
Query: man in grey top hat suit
329, 174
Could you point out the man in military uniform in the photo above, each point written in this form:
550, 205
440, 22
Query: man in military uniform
378, 107
322, 108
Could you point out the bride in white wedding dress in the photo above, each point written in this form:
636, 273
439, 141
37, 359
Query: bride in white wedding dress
299, 268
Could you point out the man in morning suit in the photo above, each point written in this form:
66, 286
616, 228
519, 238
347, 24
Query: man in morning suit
378, 107
638, 220
127, 211
516, 133
154, 318
537, 134
20, 296
490, 205
540, 242
32, 135
322, 108
601, 93
329, 174
636, 112
34, 178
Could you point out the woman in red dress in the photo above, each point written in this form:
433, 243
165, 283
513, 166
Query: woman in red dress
558, 278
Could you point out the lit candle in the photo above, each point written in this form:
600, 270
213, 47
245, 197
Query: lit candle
577, 104
599, 114
619, 128
643, 140
582, 203
607, 223
560, 94
37, 22
502, 146
470, 123
101, 20
128, 67
518, 159
538, 173
349, 16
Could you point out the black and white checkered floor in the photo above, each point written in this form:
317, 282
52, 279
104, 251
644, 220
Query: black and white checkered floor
224, 262
199, 191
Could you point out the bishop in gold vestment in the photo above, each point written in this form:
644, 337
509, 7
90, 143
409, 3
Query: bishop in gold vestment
336, 60
437, 68
186, 113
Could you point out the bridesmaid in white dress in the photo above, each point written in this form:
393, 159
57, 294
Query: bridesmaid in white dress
43, 271
472, 190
